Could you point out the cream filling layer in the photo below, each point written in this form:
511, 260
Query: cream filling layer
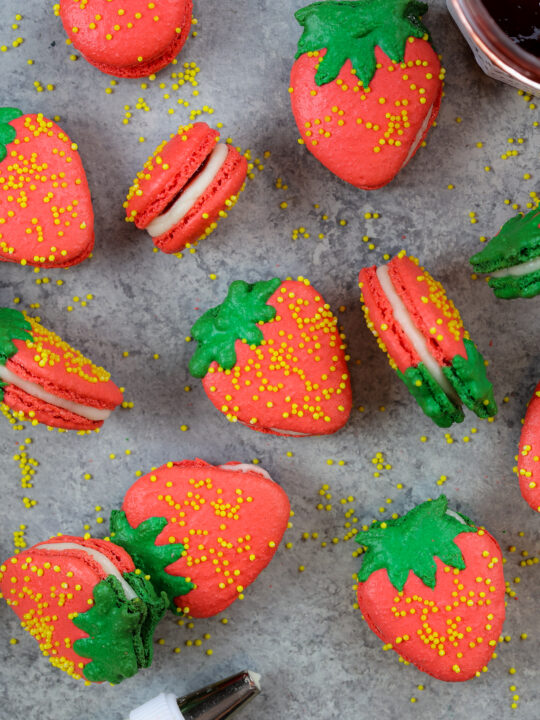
518, 270
419, 136
37, 391
246, 467
106, 565
413, 334
190, 194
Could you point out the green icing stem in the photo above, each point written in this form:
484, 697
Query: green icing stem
140, 543
430, 396
411, 543
120, 632
351, 29
516, 242
7, 131
469, 380
237, 318
13, 326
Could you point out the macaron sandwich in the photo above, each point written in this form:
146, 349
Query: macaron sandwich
92, 613
528, 460
45, 380
185, 187
512, 257
421, 331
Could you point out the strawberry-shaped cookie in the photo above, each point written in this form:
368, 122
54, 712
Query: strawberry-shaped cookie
127, 38
43, 379
202, 533
91, 612
46, 215
421, 330
271, 356
431, 586
528, 467
366, 86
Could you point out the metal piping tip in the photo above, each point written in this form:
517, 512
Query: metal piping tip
222, 699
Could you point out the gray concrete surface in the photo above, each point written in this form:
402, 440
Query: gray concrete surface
298, 629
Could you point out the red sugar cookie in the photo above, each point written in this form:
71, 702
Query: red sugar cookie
127, 38
44, 380
185, 187
202, 533
46, 215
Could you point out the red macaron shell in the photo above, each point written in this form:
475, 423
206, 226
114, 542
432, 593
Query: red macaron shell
528, 467
115, 553
321, 371
348, 126
380, 313
208, 206
166, 172
432, 312
245, 514
127, 38
46, 214
32, 408
44, 587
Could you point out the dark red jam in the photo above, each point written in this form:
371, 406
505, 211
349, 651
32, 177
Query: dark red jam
520, 20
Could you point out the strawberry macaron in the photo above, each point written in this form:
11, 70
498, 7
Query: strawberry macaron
92, 613
202, 533
46, 214
43, 379
271, 356
421, 330
127, 38
431, 587
366, 86
512, 257
528, 467
185, 187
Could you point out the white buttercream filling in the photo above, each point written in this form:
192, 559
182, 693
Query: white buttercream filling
246, 467
106, 565
413, 334
37, 391
518, 270
190, 193
455, 515
419, 136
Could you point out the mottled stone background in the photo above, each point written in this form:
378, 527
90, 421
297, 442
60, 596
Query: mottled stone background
298, 629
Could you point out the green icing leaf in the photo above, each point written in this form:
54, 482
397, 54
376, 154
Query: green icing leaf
411, 543
13, 326
430, 396
152, 559
351, 29
7, 132
120, 631
468, 378
235, 319
518, 241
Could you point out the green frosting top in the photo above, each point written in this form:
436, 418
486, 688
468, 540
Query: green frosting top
120, 631
7, 131
412, 541
13, 326
140, 543
235, 319
517, 242
351, 29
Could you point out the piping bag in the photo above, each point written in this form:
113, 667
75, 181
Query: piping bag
214, 702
